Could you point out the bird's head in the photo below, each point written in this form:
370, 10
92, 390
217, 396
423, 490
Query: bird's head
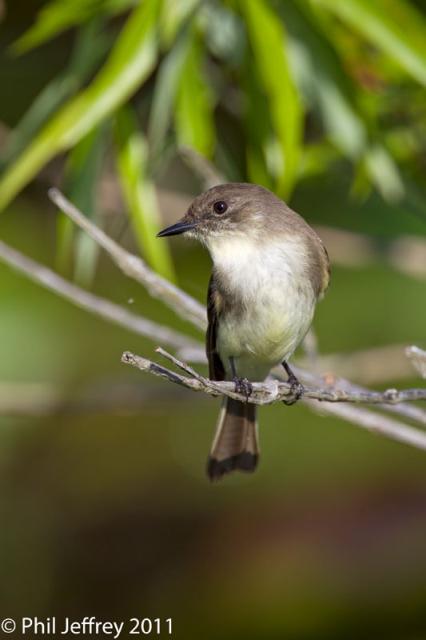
225, 211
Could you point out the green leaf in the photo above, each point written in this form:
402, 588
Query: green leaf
91, 44
59, 15
268, 41
317, 158
384, 173
194, 103
174, 14
164, 97
82, 171
320, 72
128, 65
139, 192
224, 33
394, 26
323, 80
258, 128
49, 99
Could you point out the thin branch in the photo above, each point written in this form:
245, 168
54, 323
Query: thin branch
273, 391
90, 302
406, 254
28, 398
373, 422
34, 399
310, 348
371, 366
198, 383
181, 365
134, 267
408, 411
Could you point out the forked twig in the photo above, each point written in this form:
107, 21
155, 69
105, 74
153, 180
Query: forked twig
273, 391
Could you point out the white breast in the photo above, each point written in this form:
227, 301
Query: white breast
271, 280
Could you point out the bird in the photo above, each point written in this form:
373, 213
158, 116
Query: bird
269, 269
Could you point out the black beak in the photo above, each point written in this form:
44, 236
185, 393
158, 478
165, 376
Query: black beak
176, 229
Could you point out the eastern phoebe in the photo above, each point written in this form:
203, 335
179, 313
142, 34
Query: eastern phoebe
269, 270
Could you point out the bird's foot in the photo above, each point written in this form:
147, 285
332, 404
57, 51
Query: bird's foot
296, 391
296, 387
243, 386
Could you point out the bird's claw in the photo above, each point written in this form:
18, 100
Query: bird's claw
296, 390
243, 386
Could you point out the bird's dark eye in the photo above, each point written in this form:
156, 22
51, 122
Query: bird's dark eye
220, 206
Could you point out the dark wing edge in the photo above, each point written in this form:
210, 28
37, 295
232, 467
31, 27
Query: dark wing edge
216, 368
327, 272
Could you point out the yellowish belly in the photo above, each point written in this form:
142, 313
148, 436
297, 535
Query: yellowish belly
264, 336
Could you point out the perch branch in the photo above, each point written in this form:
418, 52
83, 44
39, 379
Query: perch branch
410, 412
134, 267
273, 391
90, 302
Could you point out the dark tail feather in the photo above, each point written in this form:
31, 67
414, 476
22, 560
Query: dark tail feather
235, 445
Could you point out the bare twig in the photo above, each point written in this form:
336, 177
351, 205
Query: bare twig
371, 366
200, 383
28, 398
310, 347
408, 411
134, 267
273, 391
374, 422
34, 399
185, 367
406, 254
90, 302
181, 365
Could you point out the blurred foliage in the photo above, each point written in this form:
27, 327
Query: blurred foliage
271, 92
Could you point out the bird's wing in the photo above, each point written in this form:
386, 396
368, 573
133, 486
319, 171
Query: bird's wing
216, 368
